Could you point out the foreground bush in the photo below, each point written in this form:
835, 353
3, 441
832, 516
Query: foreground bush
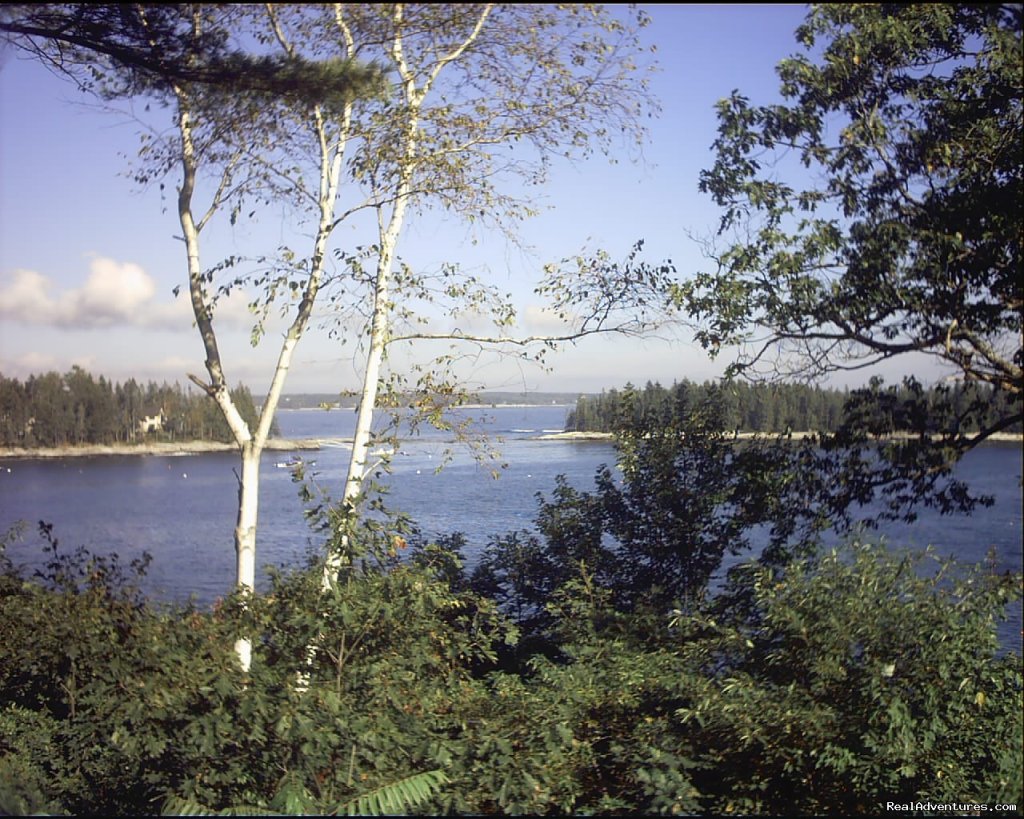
847, 681
832, 685
112, 706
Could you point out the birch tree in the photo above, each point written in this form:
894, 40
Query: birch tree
227, 106
483, 98
327, 127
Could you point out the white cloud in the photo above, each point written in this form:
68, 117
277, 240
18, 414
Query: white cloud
28, 364
115, 294
175, 366
26, 296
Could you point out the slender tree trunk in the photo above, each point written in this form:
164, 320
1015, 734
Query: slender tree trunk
381, 321
379, 332
371, 375
245, 536
245, 530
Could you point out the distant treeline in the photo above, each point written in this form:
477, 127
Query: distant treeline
54, 410
771, 408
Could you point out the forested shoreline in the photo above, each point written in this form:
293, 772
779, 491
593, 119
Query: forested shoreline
77, 409
778, 408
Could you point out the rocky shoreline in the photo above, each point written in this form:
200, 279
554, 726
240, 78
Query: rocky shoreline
576, 436
152, 448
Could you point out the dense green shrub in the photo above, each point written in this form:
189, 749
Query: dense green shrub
830, 684
114, 706
845, 681
655, 530
585, 668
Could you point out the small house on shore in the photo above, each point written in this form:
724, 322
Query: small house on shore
152, 423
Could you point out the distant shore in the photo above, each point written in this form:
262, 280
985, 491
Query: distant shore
334, 407
151, 448
576, 436
171, 448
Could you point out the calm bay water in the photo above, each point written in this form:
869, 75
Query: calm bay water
182, 509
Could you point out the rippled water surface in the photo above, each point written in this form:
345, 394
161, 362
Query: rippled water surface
181, 509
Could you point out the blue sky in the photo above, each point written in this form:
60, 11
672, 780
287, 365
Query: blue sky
88, 262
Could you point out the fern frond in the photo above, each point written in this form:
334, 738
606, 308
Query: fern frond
395, 797
181, 806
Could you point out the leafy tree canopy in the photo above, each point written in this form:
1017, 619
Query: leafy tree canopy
875, 211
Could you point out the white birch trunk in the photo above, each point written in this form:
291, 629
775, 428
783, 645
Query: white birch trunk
380, 326
248, 493
245, 537
375, 357
379, 333
371, 379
